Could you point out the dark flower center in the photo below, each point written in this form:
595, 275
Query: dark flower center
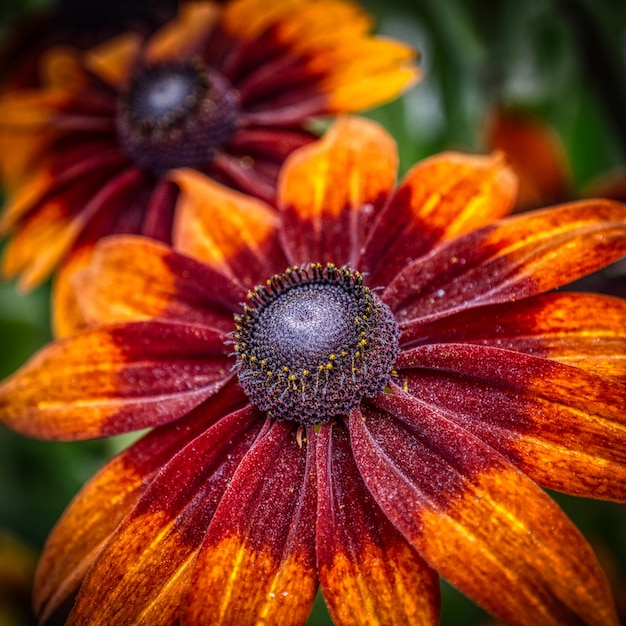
313, 343
176, 115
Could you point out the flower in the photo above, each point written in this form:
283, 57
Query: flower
227, 90
384, 408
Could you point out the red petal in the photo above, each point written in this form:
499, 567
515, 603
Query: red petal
115, 379
482, 524
331, 190
564, 427
368, 572
107, 498
584, 330
143, 572
257, 562
516, 258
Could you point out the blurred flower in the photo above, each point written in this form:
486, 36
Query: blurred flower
385, 409
535, 153
227, 90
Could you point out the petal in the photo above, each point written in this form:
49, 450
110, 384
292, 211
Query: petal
114, 379
482, 524
516, 258
564, 427
440, 198
234, 234
257, 562
583, 330
183, 33
368, 572
113, 60
134, 278
353, 69
330, 191
80, 535
535, 153
143, 573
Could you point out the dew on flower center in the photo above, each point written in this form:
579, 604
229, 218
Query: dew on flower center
176, 115
313, 342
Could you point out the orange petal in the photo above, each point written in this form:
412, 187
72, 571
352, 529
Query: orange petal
143, 572
331, 191
564, 427
114, 379
368, 572
86, 525
484, 526
42, 241
67, 318
191, 25
518, 257
232, 233
583, 330
536, 155
257, 562
442, 197
113, 60
135, 278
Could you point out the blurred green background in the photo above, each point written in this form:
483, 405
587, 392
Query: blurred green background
561, 60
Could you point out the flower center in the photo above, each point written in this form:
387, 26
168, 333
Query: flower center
176, 115
313, 343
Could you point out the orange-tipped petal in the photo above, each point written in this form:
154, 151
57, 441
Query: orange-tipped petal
564, 427
458, 502
257, 562
442, 197
583, 330
143, 573
368, 572
114, 379
234, 234
518, 257
331, 191
134, 278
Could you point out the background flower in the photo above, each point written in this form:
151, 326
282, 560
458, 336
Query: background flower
227, 90
496, 387
525, 54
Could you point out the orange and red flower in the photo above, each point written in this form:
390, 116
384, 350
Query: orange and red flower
227, 90
464, 386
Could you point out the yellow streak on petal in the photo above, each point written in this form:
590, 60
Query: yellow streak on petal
355, 150
378, 587
215, 224
109, 286
113, 60
239, 584
530, 536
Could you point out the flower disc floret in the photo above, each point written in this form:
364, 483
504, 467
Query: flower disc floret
176, 115
313, 342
